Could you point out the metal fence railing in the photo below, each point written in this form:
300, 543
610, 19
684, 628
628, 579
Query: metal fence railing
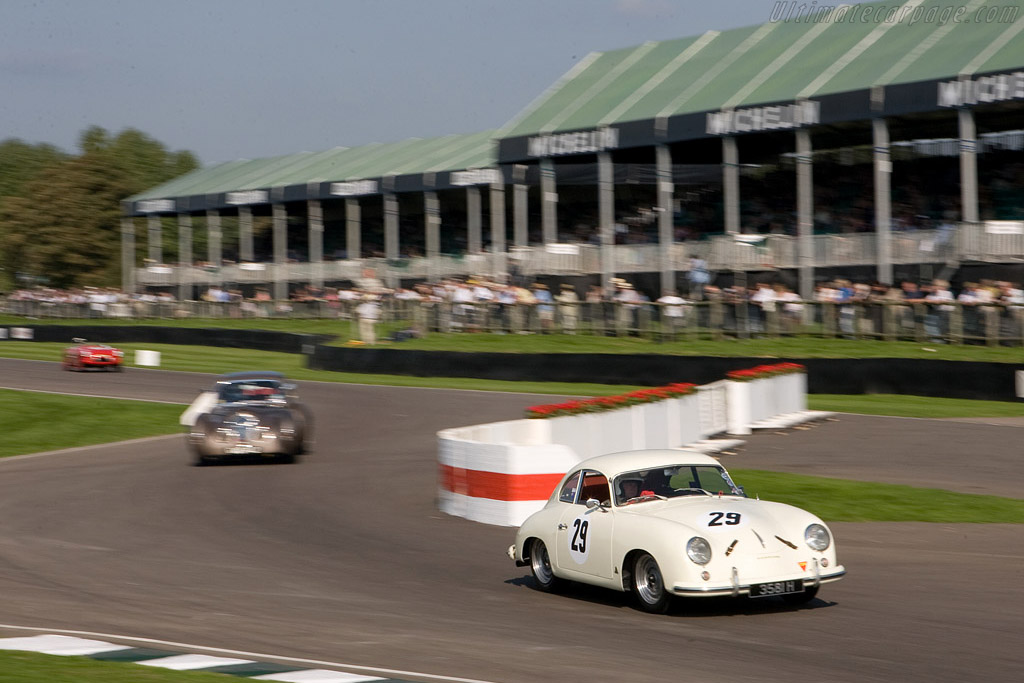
923, 322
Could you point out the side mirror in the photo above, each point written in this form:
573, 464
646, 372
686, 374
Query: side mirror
594, 503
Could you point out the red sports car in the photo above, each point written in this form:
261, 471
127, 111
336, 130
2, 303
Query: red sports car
84, 355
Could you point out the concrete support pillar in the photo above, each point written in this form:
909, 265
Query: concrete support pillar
127, 255
666, 192
432, 228
353, 229
548, 201
154, 238
184, 257
968, 166
390, 226
474, 220
315, 222
499, 252
520, 207
606, 217
214, 239
805, 213
731, 185
883, 198
245, 251
280, 252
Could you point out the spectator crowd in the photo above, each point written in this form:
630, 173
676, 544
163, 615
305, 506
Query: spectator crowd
855, 309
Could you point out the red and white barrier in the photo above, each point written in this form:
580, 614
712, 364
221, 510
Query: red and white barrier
499, 473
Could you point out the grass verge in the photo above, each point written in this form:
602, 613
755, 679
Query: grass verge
34, 422
31, 667
787, 347
900, 405
840, 500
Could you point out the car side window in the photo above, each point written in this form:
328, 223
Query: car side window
568, 492
595, 485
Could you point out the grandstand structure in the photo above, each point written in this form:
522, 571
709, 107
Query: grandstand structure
878, 136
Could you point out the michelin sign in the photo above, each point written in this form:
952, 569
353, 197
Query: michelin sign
995, 88
756, 119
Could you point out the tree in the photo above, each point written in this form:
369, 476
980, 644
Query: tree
65, 224
20, 162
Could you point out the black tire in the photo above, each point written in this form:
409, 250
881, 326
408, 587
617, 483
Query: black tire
797, 599
540, 565
649, 586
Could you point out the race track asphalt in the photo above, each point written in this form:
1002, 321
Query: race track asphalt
345, 557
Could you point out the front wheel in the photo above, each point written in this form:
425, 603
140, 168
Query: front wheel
649, 586
540, 564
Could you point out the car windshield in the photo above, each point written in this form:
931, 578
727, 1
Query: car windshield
251, 390
673, 481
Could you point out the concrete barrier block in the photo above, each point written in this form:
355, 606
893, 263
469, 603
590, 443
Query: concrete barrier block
147, 358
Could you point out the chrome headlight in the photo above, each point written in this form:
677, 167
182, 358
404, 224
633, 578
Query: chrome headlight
698, 550
817, 537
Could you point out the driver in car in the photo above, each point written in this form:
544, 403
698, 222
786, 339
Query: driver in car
628, 490
656, 484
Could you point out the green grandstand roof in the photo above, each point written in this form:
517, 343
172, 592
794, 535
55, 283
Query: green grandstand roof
837, 55
378, 160
779, 61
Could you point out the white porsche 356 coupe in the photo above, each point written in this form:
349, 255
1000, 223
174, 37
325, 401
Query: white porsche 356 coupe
664, 523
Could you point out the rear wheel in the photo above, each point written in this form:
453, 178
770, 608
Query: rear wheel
648, 585
540, 564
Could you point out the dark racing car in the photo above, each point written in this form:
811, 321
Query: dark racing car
248, 416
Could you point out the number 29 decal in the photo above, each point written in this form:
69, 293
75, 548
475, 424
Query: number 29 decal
579, 544
722, 521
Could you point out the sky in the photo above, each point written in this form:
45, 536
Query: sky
247, 79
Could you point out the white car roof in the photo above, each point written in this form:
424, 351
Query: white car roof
628, 461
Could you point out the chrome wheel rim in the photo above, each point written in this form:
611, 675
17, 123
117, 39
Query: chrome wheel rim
647, 579
541, 563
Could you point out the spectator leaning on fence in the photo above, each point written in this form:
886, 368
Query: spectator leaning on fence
568, 308
672, 311
545, 311
368, 312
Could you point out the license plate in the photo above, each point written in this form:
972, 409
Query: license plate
243, 449
764, 590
